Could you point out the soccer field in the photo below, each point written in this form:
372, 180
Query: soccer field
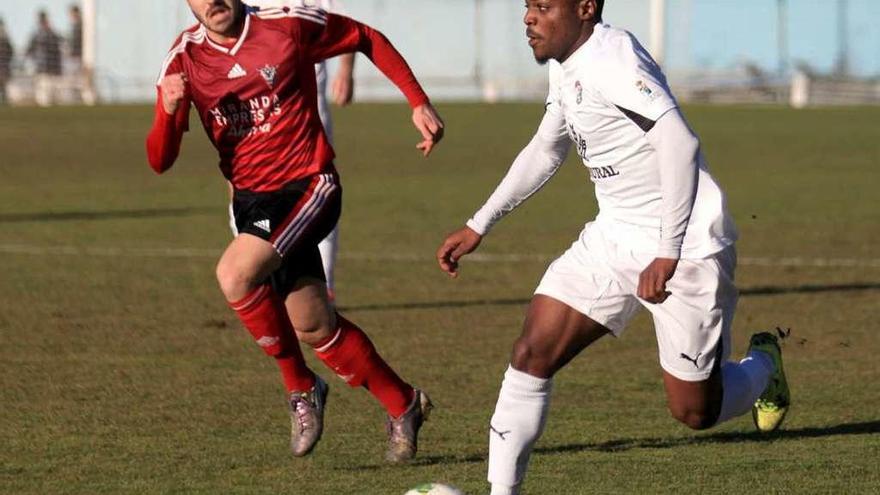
123, 371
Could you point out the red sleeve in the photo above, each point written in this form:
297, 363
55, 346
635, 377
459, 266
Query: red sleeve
163, 141
344, 35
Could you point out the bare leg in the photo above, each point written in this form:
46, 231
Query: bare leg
730, 391
696, 404
309, 310
553, 334
245, 265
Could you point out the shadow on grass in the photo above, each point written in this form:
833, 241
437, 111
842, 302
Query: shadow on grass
622, 445
747, 292
66, 216
866, 428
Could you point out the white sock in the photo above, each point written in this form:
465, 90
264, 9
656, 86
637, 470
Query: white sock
518, 421
744, 382
328, 247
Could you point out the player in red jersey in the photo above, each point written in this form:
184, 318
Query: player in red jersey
251, 79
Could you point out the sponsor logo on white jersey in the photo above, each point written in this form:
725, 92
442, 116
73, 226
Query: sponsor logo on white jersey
646, 91
236, 71
579, 92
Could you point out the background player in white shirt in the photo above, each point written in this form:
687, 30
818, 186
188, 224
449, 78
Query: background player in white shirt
662, 240
342, 91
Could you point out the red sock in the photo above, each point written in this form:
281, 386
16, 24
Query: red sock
264, 316
351, 355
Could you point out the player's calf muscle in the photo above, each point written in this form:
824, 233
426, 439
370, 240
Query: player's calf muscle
695, 419
697, 405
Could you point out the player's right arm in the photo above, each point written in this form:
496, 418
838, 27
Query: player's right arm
170, 122
533, 167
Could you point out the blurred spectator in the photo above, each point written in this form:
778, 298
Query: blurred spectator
6, 54
45, 47
45, 51
81, 74
75, 44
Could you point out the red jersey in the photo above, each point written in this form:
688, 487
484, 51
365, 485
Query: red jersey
257, 99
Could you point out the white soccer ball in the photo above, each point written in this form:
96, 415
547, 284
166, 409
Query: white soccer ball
434, 489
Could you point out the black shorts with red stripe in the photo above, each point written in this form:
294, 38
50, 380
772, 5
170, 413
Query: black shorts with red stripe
294, 219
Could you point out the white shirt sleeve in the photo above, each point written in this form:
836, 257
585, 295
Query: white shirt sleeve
678, 152
533, 167
633, 82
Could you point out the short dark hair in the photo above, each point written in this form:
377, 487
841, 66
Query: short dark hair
600, 4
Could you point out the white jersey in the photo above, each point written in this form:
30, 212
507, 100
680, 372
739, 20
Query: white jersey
606, 96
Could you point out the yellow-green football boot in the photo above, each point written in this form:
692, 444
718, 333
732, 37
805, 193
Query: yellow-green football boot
770, 408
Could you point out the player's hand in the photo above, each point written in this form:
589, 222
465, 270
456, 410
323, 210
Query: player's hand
173, 88
652, 281
343, 89
456, 245
429, 123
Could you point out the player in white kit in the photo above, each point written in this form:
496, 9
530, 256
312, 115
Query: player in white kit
342, 92
662, 240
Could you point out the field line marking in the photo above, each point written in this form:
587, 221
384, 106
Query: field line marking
187, 252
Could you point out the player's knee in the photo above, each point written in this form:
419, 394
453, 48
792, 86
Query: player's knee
313, 331
234, 282
313, 334
695, 419
527, 359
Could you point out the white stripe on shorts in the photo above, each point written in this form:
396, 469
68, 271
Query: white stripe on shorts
309, 212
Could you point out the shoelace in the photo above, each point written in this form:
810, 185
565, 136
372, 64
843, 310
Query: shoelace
302, 408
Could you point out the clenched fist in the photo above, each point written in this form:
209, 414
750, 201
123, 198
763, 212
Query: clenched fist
173, 88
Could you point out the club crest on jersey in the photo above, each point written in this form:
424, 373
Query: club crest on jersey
645, 90
579, 92
268, 72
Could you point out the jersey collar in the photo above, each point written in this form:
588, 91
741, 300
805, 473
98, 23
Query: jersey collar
237, 46
582, 50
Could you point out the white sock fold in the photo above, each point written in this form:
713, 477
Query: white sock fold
744, 382
518, 422
328, 247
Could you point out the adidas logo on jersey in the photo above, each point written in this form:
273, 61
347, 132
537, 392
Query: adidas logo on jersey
263, 224
235, 72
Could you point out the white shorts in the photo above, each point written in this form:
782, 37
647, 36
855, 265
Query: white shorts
599, 278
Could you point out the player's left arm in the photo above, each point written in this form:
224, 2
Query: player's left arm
341, 34
678, 151
342, 88
343, 83
636, 86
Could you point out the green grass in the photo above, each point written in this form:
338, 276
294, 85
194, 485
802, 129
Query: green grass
126, 373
